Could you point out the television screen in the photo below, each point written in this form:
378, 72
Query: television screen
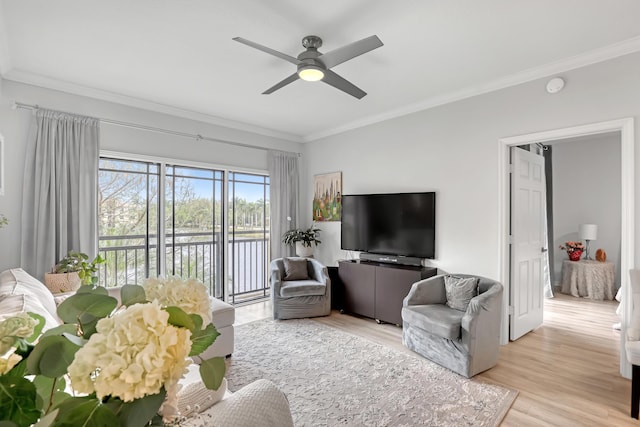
391, 224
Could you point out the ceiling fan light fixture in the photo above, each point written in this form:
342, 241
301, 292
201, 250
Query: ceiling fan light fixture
310, 73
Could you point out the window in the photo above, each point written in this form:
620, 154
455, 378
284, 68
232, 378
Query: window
191, 202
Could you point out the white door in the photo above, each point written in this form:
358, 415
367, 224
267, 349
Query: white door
527, 241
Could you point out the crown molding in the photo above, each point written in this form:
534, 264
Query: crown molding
592, 57
21, 76
578, 61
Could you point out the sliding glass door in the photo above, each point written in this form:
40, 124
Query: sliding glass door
193, 225
248, 232
213, 225
128, 224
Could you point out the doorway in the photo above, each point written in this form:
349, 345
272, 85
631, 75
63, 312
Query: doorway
585, 189
625, 127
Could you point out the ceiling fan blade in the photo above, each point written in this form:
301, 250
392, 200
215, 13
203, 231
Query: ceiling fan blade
292, 78
268, 50
345, 53
338, 82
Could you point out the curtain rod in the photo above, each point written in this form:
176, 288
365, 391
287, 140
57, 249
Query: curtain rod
195, 136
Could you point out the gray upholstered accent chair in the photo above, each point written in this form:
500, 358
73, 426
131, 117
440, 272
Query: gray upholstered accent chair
296, 299
467, 342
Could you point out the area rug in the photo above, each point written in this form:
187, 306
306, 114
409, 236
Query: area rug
334, 378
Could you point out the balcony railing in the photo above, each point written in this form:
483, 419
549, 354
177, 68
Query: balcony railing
130, 259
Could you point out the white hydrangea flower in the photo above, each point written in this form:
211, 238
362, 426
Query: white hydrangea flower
6, 364
133, 354
19, 326
188, 294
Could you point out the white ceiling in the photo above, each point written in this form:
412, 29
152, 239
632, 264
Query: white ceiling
177, 56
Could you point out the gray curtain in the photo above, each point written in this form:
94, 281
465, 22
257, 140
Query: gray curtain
284, 184
59, 206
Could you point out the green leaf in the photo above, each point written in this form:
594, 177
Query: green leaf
212, 372
79, 341
38, 329
178, 317
51, 356
86, 308
67, 328
85, 411
18, 400
197, 322
201, 339
50, 391
132, 294
59, 397
156, 421
96, 290
47, 420
138, 412
80, 304
23, 348
5, 423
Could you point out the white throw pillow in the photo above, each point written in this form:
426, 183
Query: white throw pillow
16, 281
193, 397
10, 305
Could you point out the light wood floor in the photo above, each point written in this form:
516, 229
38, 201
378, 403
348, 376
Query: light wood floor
566, 371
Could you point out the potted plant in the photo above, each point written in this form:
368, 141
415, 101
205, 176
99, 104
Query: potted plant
302, 240
72, 271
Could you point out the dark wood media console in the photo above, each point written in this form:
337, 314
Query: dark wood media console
376, 290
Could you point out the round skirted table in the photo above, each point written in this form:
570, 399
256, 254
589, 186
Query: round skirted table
589, 279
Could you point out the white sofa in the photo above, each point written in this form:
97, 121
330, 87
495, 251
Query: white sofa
258, 404
222, 317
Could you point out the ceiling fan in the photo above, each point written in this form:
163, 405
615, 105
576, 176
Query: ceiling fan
314, 66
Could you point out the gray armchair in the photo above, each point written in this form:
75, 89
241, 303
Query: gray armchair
467, 342
296, 299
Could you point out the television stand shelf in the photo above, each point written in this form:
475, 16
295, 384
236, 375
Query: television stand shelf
376, 290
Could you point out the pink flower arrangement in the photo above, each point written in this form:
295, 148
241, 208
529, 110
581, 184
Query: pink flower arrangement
572, 247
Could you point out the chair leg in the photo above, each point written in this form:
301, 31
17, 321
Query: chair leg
635, 391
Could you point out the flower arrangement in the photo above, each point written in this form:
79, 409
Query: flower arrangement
572, 247
122, 364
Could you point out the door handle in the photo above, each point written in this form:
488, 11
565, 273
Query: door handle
543, 250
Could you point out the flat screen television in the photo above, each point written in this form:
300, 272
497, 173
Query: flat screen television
402, 224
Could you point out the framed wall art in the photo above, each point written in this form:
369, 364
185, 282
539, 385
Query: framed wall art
327, 197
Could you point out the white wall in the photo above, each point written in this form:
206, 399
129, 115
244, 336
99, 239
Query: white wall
14, 126
453, 149
586, 190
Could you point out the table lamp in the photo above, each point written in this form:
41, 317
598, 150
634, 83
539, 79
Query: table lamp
587, 233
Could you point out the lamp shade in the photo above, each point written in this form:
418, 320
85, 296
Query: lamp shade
588, 231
